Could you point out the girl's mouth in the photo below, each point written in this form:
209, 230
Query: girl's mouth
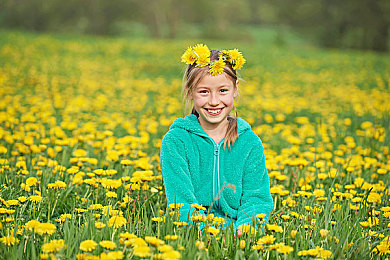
214, 112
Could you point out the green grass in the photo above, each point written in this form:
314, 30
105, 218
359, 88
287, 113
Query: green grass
115, 98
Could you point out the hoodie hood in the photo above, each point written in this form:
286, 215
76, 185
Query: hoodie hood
191, 124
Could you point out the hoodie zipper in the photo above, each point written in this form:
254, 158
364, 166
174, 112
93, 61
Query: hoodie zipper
216, 178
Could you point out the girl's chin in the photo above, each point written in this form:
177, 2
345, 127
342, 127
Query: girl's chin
213, 120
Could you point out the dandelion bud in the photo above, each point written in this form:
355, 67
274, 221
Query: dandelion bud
293, 234
242, 244
324, 232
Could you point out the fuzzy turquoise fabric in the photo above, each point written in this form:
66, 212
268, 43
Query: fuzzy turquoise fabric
188, 166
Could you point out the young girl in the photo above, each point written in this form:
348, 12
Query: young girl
210, 158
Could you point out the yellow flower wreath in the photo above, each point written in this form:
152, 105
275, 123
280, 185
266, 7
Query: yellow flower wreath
200, 55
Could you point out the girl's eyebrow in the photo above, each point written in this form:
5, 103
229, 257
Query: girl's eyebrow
221, 86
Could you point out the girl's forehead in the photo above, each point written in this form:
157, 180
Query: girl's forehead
215, 81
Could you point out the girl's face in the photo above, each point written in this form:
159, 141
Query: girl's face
214, 99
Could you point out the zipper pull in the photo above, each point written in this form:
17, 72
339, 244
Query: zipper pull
216, 150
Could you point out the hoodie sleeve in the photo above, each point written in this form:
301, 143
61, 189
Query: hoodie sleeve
256, 196
176, 176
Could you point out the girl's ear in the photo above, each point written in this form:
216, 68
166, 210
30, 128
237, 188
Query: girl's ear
235, 94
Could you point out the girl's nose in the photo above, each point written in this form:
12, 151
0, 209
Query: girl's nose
214, 99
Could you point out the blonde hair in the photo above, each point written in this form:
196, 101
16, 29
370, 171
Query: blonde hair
191, 79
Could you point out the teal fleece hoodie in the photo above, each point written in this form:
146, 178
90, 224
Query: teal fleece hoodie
195, 168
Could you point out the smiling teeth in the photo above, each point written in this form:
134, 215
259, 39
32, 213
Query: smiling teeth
214, 111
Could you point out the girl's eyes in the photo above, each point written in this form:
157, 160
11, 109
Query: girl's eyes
205, 91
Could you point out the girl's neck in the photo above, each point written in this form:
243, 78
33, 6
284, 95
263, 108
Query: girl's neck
216, 132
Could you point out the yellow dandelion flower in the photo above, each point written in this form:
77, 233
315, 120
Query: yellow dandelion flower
95, 206
359, 182
57, 185
236, 59
22, 199
63, 217
324, 233
198, 207
35, 198
141, 251
31, 181
266, 240
233, 55
247, 229
275, 246
217, 67
171, 255
313, 252
117, 221
199, 244
198, 218
53, 246
88, 245
107, 244
165, 248
275, 228
171, 237
45, 228
218, 220
381, 171
364, 224
25, 187
303, 253
242, 244
261, 216
32, 224
158, 219
111, 194
189, 56
385, 209
373, 221
9, 240
212, 230
319, 192
112, 255
180, 223
99, 225
136, 242
203, 55
177, 205
322, 176
126, 162
285, 217
293, 234
257, 247
325, 254
12, 202
80, 210
374, 197
154, 241
79, 153
284, 249
125, 237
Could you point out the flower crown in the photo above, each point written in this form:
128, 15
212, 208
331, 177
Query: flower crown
200, 54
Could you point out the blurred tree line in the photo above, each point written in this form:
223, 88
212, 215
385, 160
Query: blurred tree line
362, 24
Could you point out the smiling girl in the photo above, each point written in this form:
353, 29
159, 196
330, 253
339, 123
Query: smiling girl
209, 150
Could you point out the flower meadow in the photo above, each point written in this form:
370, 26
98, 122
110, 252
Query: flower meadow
81, 122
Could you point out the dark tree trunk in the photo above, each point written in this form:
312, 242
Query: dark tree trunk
173, 17
380, 38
